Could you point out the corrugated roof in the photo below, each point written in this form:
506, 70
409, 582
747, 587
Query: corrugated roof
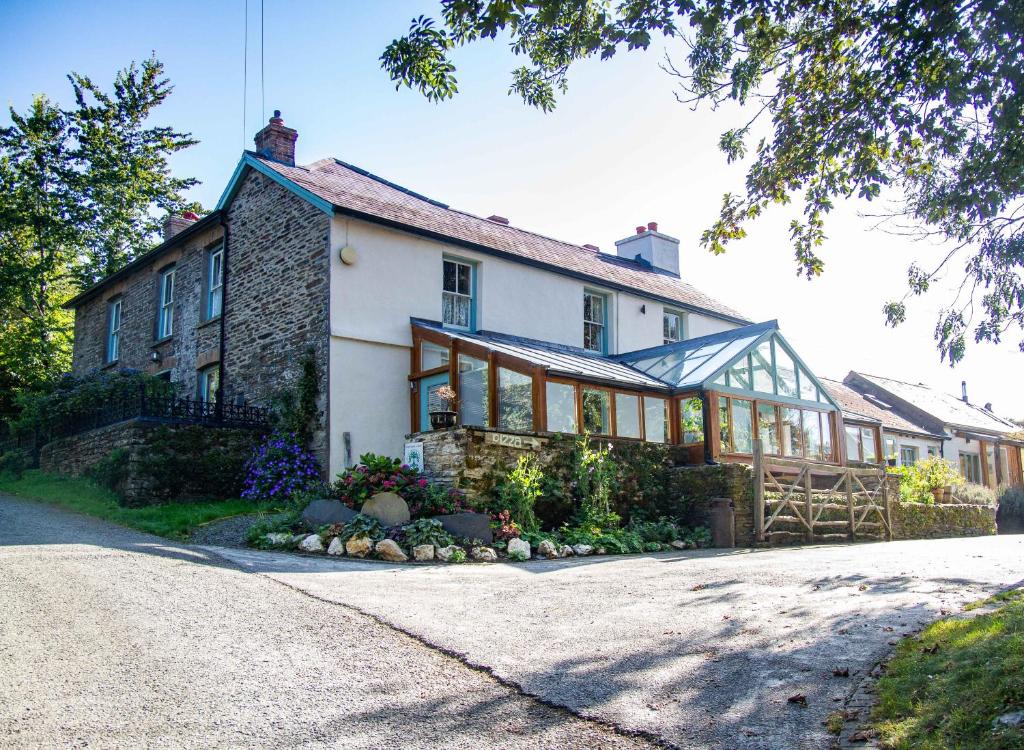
857, 407
942, 406
354, 190
559, 359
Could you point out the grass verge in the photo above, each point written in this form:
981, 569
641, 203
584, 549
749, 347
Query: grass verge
172, 520
944, 688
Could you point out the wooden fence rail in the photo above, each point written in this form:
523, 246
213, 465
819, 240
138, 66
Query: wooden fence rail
812, 501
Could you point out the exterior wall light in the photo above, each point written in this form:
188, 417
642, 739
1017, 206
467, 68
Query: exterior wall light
347, 255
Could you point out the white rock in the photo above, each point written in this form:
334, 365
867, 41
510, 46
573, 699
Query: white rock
484, 554
388, 549
1013, 719
582, 549
547, 549
278, 539
678, 544
359, 546
600, 551
565, 551
423, 552
519, 548
336, 547
311, 543
444, 554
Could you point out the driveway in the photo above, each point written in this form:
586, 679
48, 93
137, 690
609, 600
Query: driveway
702, 649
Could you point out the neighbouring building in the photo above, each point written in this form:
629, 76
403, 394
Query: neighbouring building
397, 294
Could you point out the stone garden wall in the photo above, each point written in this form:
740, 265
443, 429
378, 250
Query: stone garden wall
919, 521
704, 483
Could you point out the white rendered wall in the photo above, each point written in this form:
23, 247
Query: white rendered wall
922, 444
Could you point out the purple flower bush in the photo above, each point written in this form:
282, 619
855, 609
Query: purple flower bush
279, 469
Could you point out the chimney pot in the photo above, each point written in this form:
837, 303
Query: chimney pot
652, 226
963, 391
277, 142
498, 219
640, 230
988, 406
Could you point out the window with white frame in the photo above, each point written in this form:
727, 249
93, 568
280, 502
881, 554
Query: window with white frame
909, 455
457, 294
113, 330
672, 326
970, 467
214, 282
209, 384
595, 322
165, 312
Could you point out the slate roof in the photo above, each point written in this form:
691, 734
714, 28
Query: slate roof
357, 192
944, 407
558, 358
857, 407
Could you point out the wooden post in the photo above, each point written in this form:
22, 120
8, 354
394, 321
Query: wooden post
808, 504
758, 490
849, 505
887, 502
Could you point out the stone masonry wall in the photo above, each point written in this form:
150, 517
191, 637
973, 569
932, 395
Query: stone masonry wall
277, 298
194, 343
919, 521
704, 483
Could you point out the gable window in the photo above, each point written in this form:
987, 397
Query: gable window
457, 295
113, 330
214, 282
165, 312
595, 322
672, 326
209, 384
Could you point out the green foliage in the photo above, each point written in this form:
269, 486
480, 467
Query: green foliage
519, 492
918, 481
362, 526
294, 410
111, 471
14, 462
82, 191
458, 555
175, 521
916, 101
1011, 509
974, 494
426, 531
288, 522
376, 474
944, 688
594, 472
662, 530
195, 461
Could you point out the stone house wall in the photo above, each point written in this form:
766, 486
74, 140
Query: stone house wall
195, 343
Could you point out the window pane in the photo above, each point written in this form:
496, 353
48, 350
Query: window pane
593, 308
768, 428
209, 380
627, 415
786, 372
742, 426
656, 419
791, 432
593, 337
723, 425
867, 436
852, 443
672, 327
812, 434
432, 355
596, 411
908, 455
1004, 466
515, 400
826, 438
561, 407
739, 375
808, 391
450, 277
472, 391
455, 310
465, 275
761, 360
890, 447
692, 415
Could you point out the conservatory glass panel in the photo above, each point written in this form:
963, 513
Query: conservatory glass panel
597, 411
853, 443
739, 375
742, 426
867, 437
812, 434
515, 400
627, 415
693, 420
791, 432
473, 374
761, 359
723, 424
826, 436
786, 370
1004, 465
768, 428
432, 355
561, 407
656, 419
808, 391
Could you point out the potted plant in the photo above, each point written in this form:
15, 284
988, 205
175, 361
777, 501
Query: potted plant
442, 419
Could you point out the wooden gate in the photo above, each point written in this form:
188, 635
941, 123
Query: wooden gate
810, 501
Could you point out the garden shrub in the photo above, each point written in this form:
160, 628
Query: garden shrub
279, 469
918, 481
111, 471
426, 531
1010, 515
195, 461
519, 492
289, 522
294, 410
14, 462
974, 494
360, 526
376, 474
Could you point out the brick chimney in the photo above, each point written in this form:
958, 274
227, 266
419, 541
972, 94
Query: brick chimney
651, 248
175, 224
276, 141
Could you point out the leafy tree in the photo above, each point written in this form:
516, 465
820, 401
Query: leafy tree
863, 98
80, 189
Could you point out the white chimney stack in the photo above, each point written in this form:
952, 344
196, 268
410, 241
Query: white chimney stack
650, 247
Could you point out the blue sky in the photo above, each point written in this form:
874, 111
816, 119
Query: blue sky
619, 151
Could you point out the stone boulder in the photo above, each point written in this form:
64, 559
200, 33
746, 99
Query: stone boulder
388, 508
484, 554
519, 549
468, 526
423, 552
336, 547
359, 546
388, 549
311, 543
444, 554
547, 549
326, 512
279, 539
565, 551
679, 544
582, 550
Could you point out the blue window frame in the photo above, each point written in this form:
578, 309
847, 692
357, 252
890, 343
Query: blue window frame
595, 322
458, 294
113, 330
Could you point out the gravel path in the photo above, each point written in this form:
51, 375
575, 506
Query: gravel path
701, 648
227, 532
110, 638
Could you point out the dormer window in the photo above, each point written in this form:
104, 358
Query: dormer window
457, 308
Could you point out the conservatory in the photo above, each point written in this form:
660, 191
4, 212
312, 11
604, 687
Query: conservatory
711, 395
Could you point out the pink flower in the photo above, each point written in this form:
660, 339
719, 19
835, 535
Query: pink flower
422, 483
